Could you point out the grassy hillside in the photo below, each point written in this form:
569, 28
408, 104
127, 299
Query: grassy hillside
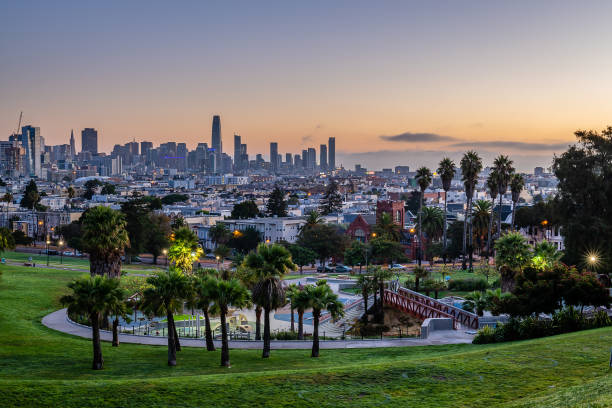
40, 367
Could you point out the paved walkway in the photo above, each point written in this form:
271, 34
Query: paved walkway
59, 321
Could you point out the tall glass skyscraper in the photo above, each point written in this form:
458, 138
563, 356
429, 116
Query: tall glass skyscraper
89, 140
332, 153
274, 156
216, 138
34, 145
323, 157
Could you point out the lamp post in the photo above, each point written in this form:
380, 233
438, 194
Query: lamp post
61, 243
40, 224
48, 242
165, 252
218, 261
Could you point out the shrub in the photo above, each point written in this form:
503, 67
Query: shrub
467, 284
568, 320
601, 319
284, 335
485, 335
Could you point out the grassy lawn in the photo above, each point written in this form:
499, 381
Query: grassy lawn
40, 367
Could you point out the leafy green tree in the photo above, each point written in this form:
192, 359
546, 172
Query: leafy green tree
226, 294
324, 240
321, 298
164, 297
355, 254
158, 234
332, 199
137, 212
386, 228
471, 166
511, 255
302, 256
277, 205
412, 200
104, 239
31, 197
95, 297
517, 183
386, 251
269, 264
7, 241
419, 273
91, 187
245, 241
446, 170
178, 222
174, 198
108, 189
220, 234
244, 210
222, 252
21, 238
423, 178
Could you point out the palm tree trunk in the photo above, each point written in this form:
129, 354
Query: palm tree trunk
266, 337
490, 230
171, 340
471, 238
115, 332
300, 324
292, 320
98, 361
419, 256
177, 343
365, 301
258, 323
513, 212
382, 292
315, 333
210, 345
464, 248
500, 216
225, 361
445, 227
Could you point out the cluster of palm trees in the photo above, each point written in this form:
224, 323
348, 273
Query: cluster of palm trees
502, 177
373, 283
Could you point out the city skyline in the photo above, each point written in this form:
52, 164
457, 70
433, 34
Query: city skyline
432, 80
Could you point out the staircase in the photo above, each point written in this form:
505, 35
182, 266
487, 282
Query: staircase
351, 313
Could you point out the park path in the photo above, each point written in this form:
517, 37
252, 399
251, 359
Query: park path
59, 321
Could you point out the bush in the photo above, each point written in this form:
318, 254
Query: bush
467, 284
284, 335
568, 320
485, 335
601, 319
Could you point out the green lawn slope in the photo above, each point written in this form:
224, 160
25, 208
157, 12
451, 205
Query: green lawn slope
40, 367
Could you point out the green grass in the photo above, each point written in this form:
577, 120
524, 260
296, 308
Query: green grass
40, 367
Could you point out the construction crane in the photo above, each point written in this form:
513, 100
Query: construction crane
19, 123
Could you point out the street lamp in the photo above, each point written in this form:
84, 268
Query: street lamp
61, 243
165, 252
218, 261
48, 242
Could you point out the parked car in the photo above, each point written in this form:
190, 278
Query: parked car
68, 253
343, 269
327, 269
397, 267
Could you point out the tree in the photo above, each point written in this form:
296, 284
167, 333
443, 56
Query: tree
419, 273
244, 210
511, 254
31, 197
222, 252
423, 178
324, 240
277, 205
204, 291
7, 241
386, 228
178, 222
165, 297
355, 254
517, 183
446, 170
104, 239
412, 200
91, 187
71, 192
321, 298
432, 219
301, 303
503, 168
94, 297
366, 284
158, 232
475, 300
269, 263
21, 238
380, 276
73, 233
137, 211
228, 293
492, 187
174, 198
8, 199
471, 166
219, 234
184, 250
332, 199
119, 309
292, 293
481, 214
302, 256
108, 189
386, 251
545, 254
245, 241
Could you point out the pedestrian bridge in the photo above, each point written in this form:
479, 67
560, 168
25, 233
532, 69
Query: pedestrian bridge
423, 307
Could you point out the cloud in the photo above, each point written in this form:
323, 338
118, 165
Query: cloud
508, 144
306, 138
417, 137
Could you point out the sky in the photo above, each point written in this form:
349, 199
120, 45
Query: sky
396, 82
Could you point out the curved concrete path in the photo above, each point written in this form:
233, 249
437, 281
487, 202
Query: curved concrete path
59, 321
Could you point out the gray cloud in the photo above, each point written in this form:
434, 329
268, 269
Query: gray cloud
306, 138
417, 137
507, 144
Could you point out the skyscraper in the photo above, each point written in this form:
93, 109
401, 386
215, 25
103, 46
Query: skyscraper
323, 157
304, 158
34, 146
72, 144
89, 140
289, 160
332, 153
274, 156
237, 155
217, 144
312, 158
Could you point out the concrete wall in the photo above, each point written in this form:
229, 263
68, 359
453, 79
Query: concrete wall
434, 324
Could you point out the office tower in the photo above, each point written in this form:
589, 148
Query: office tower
181, 156
34, 146
89, 140
304, 158
331, 163
274, 156
237, 155
133, 147
244, 157
289, 160
297, 162
312, 158
72, 145
538, 171
402, 170
145, 151
323, 157
217, 144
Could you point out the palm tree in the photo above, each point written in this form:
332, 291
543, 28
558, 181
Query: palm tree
292, 293
386, 228
365, 283
471, 166
104, 238
476, 300
219, 234
380, 276
503, 167
8, 199
301, 303
184, 250
204, 287
118, 309
517, 183
228, 293
321, 298
269, 263
433, 222
165, 297
94, 296
446, 170
419, 273
423, 178
492, 186
314, 218
481, 213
